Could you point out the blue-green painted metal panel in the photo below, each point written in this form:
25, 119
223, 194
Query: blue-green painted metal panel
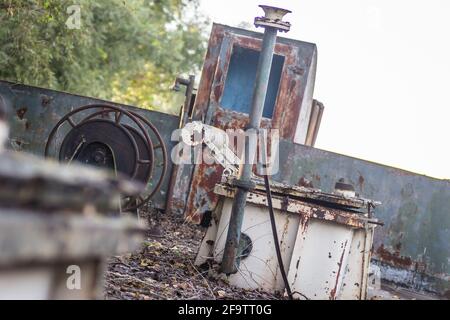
415, 208
35, 111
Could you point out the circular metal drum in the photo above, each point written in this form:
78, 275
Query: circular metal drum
113, 138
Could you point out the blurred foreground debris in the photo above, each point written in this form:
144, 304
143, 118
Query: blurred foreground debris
57, 226
163, 268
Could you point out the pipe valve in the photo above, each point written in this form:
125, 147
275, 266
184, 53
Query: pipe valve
273, 18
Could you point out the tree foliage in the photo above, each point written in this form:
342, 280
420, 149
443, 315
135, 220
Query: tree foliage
128, 51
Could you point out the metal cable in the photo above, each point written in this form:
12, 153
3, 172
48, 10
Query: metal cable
275, 237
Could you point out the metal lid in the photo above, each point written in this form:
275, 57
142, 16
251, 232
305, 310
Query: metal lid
338, 200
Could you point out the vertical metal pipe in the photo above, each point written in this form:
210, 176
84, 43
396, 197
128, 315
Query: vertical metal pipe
184, 117
259, 98
230, 261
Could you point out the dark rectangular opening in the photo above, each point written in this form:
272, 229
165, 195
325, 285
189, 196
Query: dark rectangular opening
240, 81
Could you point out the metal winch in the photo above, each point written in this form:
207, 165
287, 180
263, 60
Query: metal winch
112, 138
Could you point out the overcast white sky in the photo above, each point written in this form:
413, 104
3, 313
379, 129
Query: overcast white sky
383, 74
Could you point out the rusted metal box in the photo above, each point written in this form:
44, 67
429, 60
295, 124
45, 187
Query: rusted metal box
224, 97
55, 234
325, 241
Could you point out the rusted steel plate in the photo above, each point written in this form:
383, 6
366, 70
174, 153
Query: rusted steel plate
415, 209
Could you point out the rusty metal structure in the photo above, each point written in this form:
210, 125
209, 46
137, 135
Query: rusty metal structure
325, 241
411, 249
228, 75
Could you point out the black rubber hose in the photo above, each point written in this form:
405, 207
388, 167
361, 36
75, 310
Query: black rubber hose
275, 238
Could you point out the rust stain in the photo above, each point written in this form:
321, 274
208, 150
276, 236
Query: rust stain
333, 292
335, 215
45, 100
202, 197
21, 113
304, 223
394, 259
303, 182
361, 182
218, 89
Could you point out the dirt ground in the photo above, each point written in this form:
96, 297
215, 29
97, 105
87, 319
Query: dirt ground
164, 267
